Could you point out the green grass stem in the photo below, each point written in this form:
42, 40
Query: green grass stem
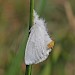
29, 67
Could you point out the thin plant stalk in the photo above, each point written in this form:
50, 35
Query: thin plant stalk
29, 67
31, 14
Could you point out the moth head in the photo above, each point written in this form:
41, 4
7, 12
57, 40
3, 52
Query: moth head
51, 45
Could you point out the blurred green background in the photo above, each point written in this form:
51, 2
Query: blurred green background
14, 18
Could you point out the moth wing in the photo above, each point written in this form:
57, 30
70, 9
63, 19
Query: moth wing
36, 49
30, 49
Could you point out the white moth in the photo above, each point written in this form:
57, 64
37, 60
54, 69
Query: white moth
37, 46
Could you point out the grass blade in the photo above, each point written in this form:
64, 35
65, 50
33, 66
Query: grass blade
29, 67
16, 64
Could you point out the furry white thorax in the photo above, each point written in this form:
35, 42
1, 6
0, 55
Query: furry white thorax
36, 48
